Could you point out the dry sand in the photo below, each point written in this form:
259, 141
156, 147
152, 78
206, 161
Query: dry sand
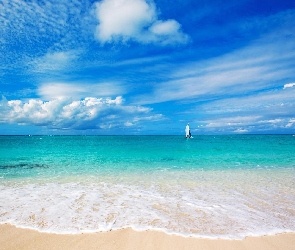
16, 238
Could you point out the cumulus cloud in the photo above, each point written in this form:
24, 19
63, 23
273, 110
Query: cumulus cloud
137, 20
165, 28
124, 18
64, 113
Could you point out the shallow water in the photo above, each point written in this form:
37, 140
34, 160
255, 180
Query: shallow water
208, 186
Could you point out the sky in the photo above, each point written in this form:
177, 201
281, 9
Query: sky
147, 67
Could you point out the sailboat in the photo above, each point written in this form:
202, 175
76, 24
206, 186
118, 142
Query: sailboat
188, 132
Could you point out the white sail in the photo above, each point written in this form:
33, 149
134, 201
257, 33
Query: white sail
187, 131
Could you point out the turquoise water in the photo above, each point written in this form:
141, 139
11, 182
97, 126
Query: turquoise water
227, 186
24, 156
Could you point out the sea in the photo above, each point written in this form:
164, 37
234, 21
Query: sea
210, 186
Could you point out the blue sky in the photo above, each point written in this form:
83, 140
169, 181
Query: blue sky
147, 67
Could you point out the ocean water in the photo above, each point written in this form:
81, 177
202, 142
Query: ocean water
227, 186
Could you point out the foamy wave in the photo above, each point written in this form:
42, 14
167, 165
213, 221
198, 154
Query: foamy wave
216, 204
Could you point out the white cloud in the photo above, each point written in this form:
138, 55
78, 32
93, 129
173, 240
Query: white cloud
241, 130
123, 20
291, 123
64, 113
165, 28
128, 124
51, 91
231, 121
55, 61
289, 85
265, 111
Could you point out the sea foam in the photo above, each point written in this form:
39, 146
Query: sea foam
216, 204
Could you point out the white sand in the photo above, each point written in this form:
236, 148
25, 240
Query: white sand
16, 238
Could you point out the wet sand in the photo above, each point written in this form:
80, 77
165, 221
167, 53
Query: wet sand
128, 239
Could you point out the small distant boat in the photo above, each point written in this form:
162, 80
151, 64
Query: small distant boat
188, 132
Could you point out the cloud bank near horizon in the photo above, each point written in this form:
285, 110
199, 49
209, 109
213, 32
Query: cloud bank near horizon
67, 114
272, 110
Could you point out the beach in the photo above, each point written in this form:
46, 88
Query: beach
128, 239
147, 124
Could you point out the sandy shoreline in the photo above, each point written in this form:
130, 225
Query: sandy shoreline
17, 238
